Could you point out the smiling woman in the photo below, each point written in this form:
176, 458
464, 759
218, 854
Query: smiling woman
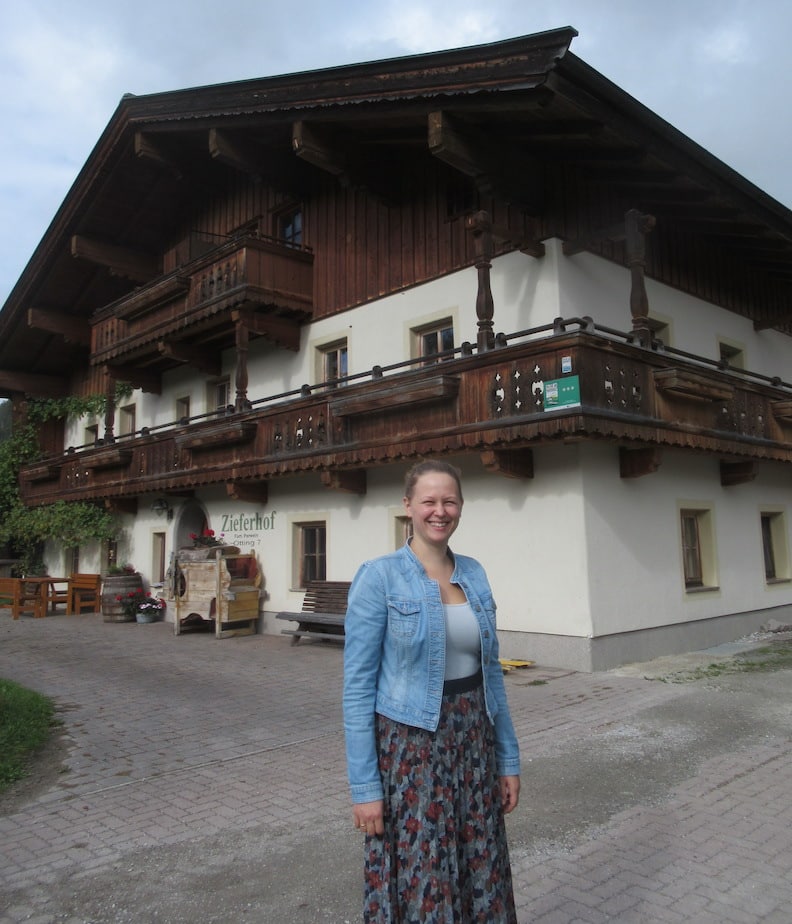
433, 760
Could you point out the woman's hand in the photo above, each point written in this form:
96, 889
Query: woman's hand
510, 793
368, 816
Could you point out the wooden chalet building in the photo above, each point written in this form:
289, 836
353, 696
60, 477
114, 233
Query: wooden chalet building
491, 254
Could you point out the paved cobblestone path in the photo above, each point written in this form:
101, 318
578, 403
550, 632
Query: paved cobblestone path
203, 780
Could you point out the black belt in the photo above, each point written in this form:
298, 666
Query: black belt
462, 684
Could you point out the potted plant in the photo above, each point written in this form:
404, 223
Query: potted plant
205, 546
142, 607
118, 583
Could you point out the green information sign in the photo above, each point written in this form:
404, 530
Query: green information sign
561, 393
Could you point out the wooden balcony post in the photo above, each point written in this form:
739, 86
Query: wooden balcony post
481, 226
637, 226
242, 339
109, 418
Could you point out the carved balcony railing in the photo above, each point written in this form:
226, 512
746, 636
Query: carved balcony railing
550, 384
195, 302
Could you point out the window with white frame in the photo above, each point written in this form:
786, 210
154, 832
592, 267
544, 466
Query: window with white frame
91, 435
698, 548
126, 420
183, 408
731, 353
402, 530
310, 557
432, 340
661, 329
333, 363
775, 549
218, 395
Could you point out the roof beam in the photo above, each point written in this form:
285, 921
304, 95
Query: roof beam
28, 383
119, 261
284, 331
313, 145
254, 492
72, 329
352, 481
146, 148
137, 377
508, 174
207, 361
233, 153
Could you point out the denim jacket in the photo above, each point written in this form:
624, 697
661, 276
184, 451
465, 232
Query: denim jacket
394, 659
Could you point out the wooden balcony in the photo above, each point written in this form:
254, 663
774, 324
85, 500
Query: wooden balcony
192, 306
570, 386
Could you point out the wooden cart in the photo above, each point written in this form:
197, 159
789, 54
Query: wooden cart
222, 587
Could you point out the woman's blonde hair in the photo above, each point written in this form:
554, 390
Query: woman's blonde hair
431, 465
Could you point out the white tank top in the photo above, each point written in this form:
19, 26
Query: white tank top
463, 643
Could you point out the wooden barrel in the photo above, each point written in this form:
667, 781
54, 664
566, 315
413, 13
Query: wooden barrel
115, 586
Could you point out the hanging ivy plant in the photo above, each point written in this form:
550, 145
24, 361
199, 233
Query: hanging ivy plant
74, 406
24, 530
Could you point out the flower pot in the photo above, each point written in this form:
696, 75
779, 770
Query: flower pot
118, 585
206, 552
145, 617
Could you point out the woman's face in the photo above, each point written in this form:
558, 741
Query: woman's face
434, 508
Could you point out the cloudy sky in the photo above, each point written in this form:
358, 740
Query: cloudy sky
716, 69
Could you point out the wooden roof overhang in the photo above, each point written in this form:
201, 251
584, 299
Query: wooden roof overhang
501, 115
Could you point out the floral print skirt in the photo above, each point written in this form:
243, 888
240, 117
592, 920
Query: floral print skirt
444, 857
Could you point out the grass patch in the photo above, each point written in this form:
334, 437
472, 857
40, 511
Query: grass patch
26, 720
773, 657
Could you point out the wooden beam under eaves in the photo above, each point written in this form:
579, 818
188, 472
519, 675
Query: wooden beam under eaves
634, 463
233, 153
72, 329
253, 492
121, 505
203, 360
449, 145
28, 383
513, 463
147, 148
310, 144
732, 473
284, 331
353, 481
119, 261
496, 169
150, 382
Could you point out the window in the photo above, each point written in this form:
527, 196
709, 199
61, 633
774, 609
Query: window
73, 560
698, 549
731, 353
183, 409
290, 227
661, 330
433, 339
91, 437
218, 395
774, 546
402, 530
158, 558
334, 363
109, 553
126, 420
311, 552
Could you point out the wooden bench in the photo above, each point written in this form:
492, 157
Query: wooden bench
84, 593
323, 611
22, 597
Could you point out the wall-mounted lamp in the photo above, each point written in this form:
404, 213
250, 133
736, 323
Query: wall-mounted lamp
161, 506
